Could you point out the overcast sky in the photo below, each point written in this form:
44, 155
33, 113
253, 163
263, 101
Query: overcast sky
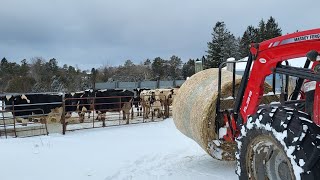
94, 33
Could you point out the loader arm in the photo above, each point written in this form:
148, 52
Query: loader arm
266, 56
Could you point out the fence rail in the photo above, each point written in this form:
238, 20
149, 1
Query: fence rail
140, 84
10, 124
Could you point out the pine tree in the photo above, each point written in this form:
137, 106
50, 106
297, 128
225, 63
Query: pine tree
147, 63
249, 36
128, 63
158, 68
93, 77
221, 47
268, 30
261, 36
20, 84
174, 67
188, 68
272, 29
24, 68
232, 47
264, 32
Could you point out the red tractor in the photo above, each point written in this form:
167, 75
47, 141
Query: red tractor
280, 140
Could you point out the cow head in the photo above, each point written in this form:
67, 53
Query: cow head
24, 99
70, 102
8, 99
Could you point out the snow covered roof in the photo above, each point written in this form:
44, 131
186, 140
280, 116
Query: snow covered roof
240, 66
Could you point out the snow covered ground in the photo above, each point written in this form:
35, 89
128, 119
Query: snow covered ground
139, 151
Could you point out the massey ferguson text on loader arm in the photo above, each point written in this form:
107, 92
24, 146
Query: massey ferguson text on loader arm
267, 56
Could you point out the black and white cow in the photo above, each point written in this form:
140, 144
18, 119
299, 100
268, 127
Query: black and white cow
80, 102
137, 100
85, 103
25, 105
103, 101
113, 100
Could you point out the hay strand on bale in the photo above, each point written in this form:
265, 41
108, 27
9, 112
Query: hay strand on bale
194, 107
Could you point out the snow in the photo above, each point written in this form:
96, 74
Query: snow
240, 66
140, 151
214, 149
2, 105
305, 119
222, 132
296, 62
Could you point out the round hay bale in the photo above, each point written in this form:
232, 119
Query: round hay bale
194, 107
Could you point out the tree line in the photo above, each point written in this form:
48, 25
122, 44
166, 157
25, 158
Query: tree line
41, 75
224, 44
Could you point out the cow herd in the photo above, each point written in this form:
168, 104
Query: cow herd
143, 101
157, 101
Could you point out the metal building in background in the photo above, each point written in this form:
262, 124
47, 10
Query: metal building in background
198, 65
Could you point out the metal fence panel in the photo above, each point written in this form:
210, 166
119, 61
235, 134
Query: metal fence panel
179, 82
142, 84
106, 85
165, 84
148, 84
128, 85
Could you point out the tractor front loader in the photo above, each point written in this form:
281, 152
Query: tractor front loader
275, 140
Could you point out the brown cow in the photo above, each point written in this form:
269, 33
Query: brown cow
147, 97
166, 97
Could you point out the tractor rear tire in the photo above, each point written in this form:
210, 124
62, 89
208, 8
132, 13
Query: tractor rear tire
279, 143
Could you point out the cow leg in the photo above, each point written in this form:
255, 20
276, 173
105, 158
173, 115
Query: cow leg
98, 115
123, 115
81, 117
159, 113
132, 113
140, 109
144, 113
152, 114
147, 112
145, 116
127, 115
103, 118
